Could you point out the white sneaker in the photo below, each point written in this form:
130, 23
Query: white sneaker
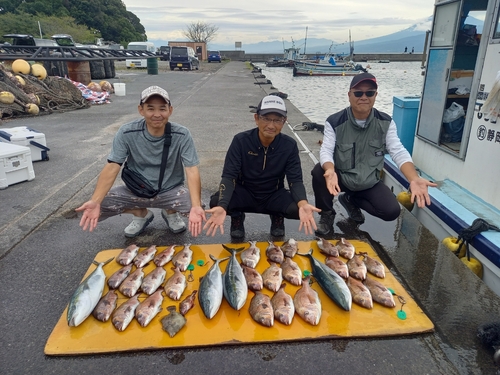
138, 224
174, 221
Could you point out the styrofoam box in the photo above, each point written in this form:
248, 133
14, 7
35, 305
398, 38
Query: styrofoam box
15, 164
25, 136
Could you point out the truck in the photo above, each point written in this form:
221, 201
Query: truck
139, 46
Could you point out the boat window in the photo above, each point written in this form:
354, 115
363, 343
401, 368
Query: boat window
445, 25
497, 27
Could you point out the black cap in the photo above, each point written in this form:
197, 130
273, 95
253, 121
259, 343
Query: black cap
363, 77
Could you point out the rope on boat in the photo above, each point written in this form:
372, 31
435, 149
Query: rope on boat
467, 234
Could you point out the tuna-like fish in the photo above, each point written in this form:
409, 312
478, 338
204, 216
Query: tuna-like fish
132, 283
127, 255
165, 256
261, 309
175, 285
149, 308
251, 256
307, 303
274, 253
283, 306
357, 268
291, 272
124, 314
116, 279
360, 293
173, 322
253, 278
144, 257
87, 295
326, 247
153, 280
187, 303
106, 306
373, 266
234, 284
346, 249
183, 258
379, 292
290, 248
338, 266
331, 283
210, 291
272, 277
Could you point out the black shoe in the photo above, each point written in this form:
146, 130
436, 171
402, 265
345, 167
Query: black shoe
325, 225
277, 226
353, 211
237, 227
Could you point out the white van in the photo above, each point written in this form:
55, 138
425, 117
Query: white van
139, 46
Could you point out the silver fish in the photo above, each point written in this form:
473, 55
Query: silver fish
132, 283
291, 272
380, 293
253, 278
283, 306
175, 285
149, 308
153, 280
274, 253
373, 266
173, 322
187, 303
106, 306
338, 266
144, 257
307, 303
165, 256
261, 309
272, 277
326, 247
87, 295
290, 248
360, 293
116, 279
235, 288
251, 256
124, 314
127, 255
183, 258
210, 291
346, 249
357, 268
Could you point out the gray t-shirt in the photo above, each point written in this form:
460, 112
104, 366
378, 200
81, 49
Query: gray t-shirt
143, 152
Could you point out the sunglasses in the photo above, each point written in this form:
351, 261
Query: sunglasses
359, 94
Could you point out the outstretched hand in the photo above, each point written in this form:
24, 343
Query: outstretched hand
306, 216
332, 181
419, 191
91, 211
196, 219
216, 220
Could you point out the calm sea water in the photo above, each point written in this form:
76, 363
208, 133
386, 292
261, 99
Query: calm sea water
319, 97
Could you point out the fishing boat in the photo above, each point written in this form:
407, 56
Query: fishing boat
289, 56
324, 70
455, 136
327, 60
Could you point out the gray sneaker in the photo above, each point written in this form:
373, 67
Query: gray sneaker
353, 211
138, 225
174, 221
325, 225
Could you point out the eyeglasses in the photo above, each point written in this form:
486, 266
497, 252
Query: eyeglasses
359, 94
277, 121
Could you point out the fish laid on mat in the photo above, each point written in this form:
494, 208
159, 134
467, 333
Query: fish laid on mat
153, 280
253, 278
173, 322
338, 266
124, 314
360, 293
165, 256
283, 306
144, 257
117, 278
175, 285
183, 258
250, 257
127, 255
272, 277
326, 247
210, 290
106, 306
307, 303
87, 295
149, 308
346, 249
380, 293
132, 283
234, 284
187, 303
274, 253
374, 266
357, 268
291, 272
290, 248
261, 309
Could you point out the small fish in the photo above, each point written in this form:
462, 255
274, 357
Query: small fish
173, 322
127, 255
326, 247
307, 303
187, 303
144, 257
153, 280
106, 306
149, 308
379, 292
165, 256
337, 265
272, 277
283, 306
274, 253
261, 309
253, 278
360, 293
210, 292
132, 283
124, 314
183, 258
290, 248
234, 284
251, 256
116, 279
374, 266
357, 268
175, 285
346, 249
291, 272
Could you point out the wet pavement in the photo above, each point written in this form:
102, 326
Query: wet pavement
44, 252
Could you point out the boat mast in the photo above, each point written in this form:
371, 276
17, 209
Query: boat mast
305, 42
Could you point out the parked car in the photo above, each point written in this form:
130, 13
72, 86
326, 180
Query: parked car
164, 53
183, 58
29, 40
214, 56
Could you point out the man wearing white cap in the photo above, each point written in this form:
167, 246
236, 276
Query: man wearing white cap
253, 177
155, 155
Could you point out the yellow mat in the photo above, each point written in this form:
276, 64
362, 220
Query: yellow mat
231, 327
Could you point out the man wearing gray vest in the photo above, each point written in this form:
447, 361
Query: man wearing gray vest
352, 157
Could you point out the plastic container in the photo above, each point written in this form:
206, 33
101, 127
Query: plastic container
15, 164
405, 112
119, 89
28, 137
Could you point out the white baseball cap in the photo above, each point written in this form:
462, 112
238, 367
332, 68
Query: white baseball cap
272, 104
154, 90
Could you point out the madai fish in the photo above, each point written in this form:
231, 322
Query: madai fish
132, 283
124, 314
290, 248
149, 308
253, 278
210, 290
175, 285
127, 255
357, 268
261, 309
346, 249
164, 257
379, 292
173, 322
117, 278
307, 303
291, 272
187, 303
234, 284
373, 266
153, 280
326, 247
87, 295
106, 306
144, 257
250, 257
360, 293
338, 266
183, 258
331, 283
274, 253
283, 306
272, 277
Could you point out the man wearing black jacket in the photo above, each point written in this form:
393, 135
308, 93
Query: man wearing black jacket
253, 177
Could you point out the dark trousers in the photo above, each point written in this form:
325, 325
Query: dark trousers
378, 201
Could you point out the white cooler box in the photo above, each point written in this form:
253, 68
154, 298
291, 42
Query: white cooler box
15, 164
25, 136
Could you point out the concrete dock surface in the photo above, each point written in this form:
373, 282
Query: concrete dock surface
44, 252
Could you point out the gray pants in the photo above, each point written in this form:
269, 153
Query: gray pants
120, 198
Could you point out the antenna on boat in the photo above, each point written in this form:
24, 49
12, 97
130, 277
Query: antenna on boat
305, 42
